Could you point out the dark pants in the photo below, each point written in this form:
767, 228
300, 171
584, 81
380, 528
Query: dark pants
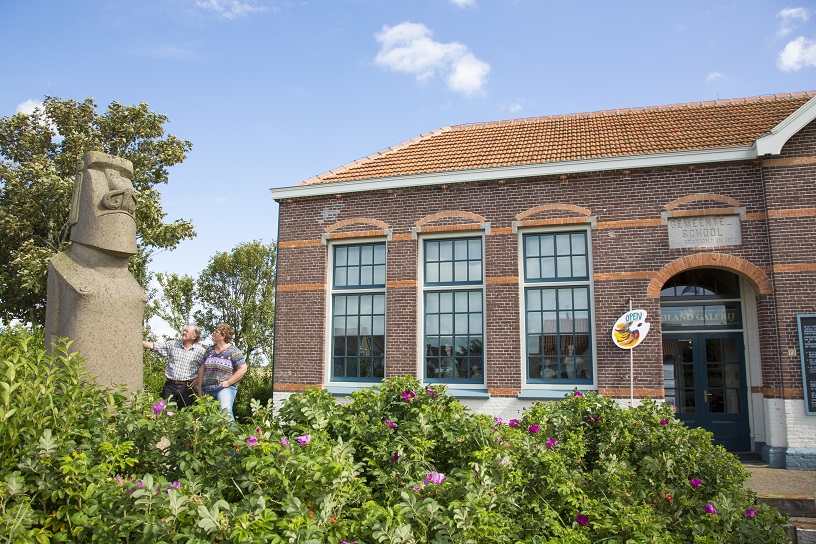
182, 393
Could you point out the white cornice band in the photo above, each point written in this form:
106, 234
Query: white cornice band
630, 162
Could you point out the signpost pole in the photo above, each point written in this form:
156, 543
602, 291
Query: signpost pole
631, 370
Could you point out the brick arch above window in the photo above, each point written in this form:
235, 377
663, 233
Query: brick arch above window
451, 221
356, 228
758, 279
548, 215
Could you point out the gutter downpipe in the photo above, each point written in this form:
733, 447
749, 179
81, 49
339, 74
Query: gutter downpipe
275, 318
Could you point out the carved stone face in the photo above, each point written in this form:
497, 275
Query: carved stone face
104, 204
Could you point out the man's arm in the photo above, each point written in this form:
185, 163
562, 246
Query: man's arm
147, 345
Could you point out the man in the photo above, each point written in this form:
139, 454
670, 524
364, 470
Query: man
184, 358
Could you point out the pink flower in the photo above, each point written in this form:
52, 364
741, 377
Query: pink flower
498, 420
170, 414
284, 442
695, 482
407, 395
582, 519
252, 440
174, 485
390, 423
434, 478
664, 422
118, 479
534, 429
416, 489
303, 440
514, 423
395, 457
578, 394
258, 431
709, 508
503, 462
159, 407
751, 513
551, 442
431, 392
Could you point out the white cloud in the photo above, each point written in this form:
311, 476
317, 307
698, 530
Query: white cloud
463, 3
28, 106
231, 9
408, 48
790, 17
799, 53
713, 76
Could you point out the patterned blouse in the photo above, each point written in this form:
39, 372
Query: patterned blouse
218, 367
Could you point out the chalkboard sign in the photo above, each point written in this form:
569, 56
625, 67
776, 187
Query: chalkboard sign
807, 350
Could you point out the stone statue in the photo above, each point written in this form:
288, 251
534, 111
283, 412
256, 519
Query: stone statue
92, 297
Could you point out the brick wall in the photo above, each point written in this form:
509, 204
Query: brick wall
629, 249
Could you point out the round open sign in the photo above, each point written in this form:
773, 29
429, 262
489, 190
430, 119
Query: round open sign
630, 329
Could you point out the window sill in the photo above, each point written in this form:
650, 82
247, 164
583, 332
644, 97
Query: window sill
546, 394
468, 393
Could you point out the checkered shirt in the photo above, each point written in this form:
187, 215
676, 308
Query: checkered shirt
182, 364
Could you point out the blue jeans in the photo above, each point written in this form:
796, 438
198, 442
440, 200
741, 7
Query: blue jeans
226, 396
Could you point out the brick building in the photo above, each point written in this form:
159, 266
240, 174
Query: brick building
497, 257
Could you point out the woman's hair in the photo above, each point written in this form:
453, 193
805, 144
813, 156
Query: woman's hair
226, 331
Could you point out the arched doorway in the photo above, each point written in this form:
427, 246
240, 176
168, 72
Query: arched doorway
704, 354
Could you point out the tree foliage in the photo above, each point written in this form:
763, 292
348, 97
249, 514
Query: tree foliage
176, 299
238, 288
38, 157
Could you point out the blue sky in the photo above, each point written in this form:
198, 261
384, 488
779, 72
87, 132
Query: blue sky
273, 92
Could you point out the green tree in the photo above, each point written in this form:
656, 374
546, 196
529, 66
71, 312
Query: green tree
175, 302
238, 288
38, 156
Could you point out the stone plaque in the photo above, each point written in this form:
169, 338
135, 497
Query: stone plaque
704, 231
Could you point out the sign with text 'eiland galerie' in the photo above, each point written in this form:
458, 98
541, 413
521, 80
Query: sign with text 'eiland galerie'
704, 231
630, 329
807, 351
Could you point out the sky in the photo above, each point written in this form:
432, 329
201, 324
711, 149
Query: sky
274, 92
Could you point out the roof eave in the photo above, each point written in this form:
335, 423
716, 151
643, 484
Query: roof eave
628, 162
772, 143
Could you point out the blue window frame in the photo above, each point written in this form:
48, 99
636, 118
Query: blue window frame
557, 302
358, 312
454, 310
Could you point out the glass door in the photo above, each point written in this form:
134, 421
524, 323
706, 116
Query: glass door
704, 378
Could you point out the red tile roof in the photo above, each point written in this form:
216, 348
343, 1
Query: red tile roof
611, 133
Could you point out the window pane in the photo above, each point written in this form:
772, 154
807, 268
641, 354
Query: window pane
432, 251
379, 254
564, 267
548, 267
474, 271
578, 243
445, 272
533, 268
565, 299
366, 275
533, 299
531, 246
367, 255
379, 275
547, 245
475, 301
378, 328
475, 325
353, 276
340, 256
432, 324
460, 250
460, 273
581, 298
562, 244
548, 299
446, 250
432, 273
474, 249
446, 302
354, 255
579, 266
534, 323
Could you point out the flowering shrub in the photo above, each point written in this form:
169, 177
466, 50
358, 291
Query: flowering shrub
401, 463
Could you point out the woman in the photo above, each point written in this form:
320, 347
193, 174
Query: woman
223, 368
